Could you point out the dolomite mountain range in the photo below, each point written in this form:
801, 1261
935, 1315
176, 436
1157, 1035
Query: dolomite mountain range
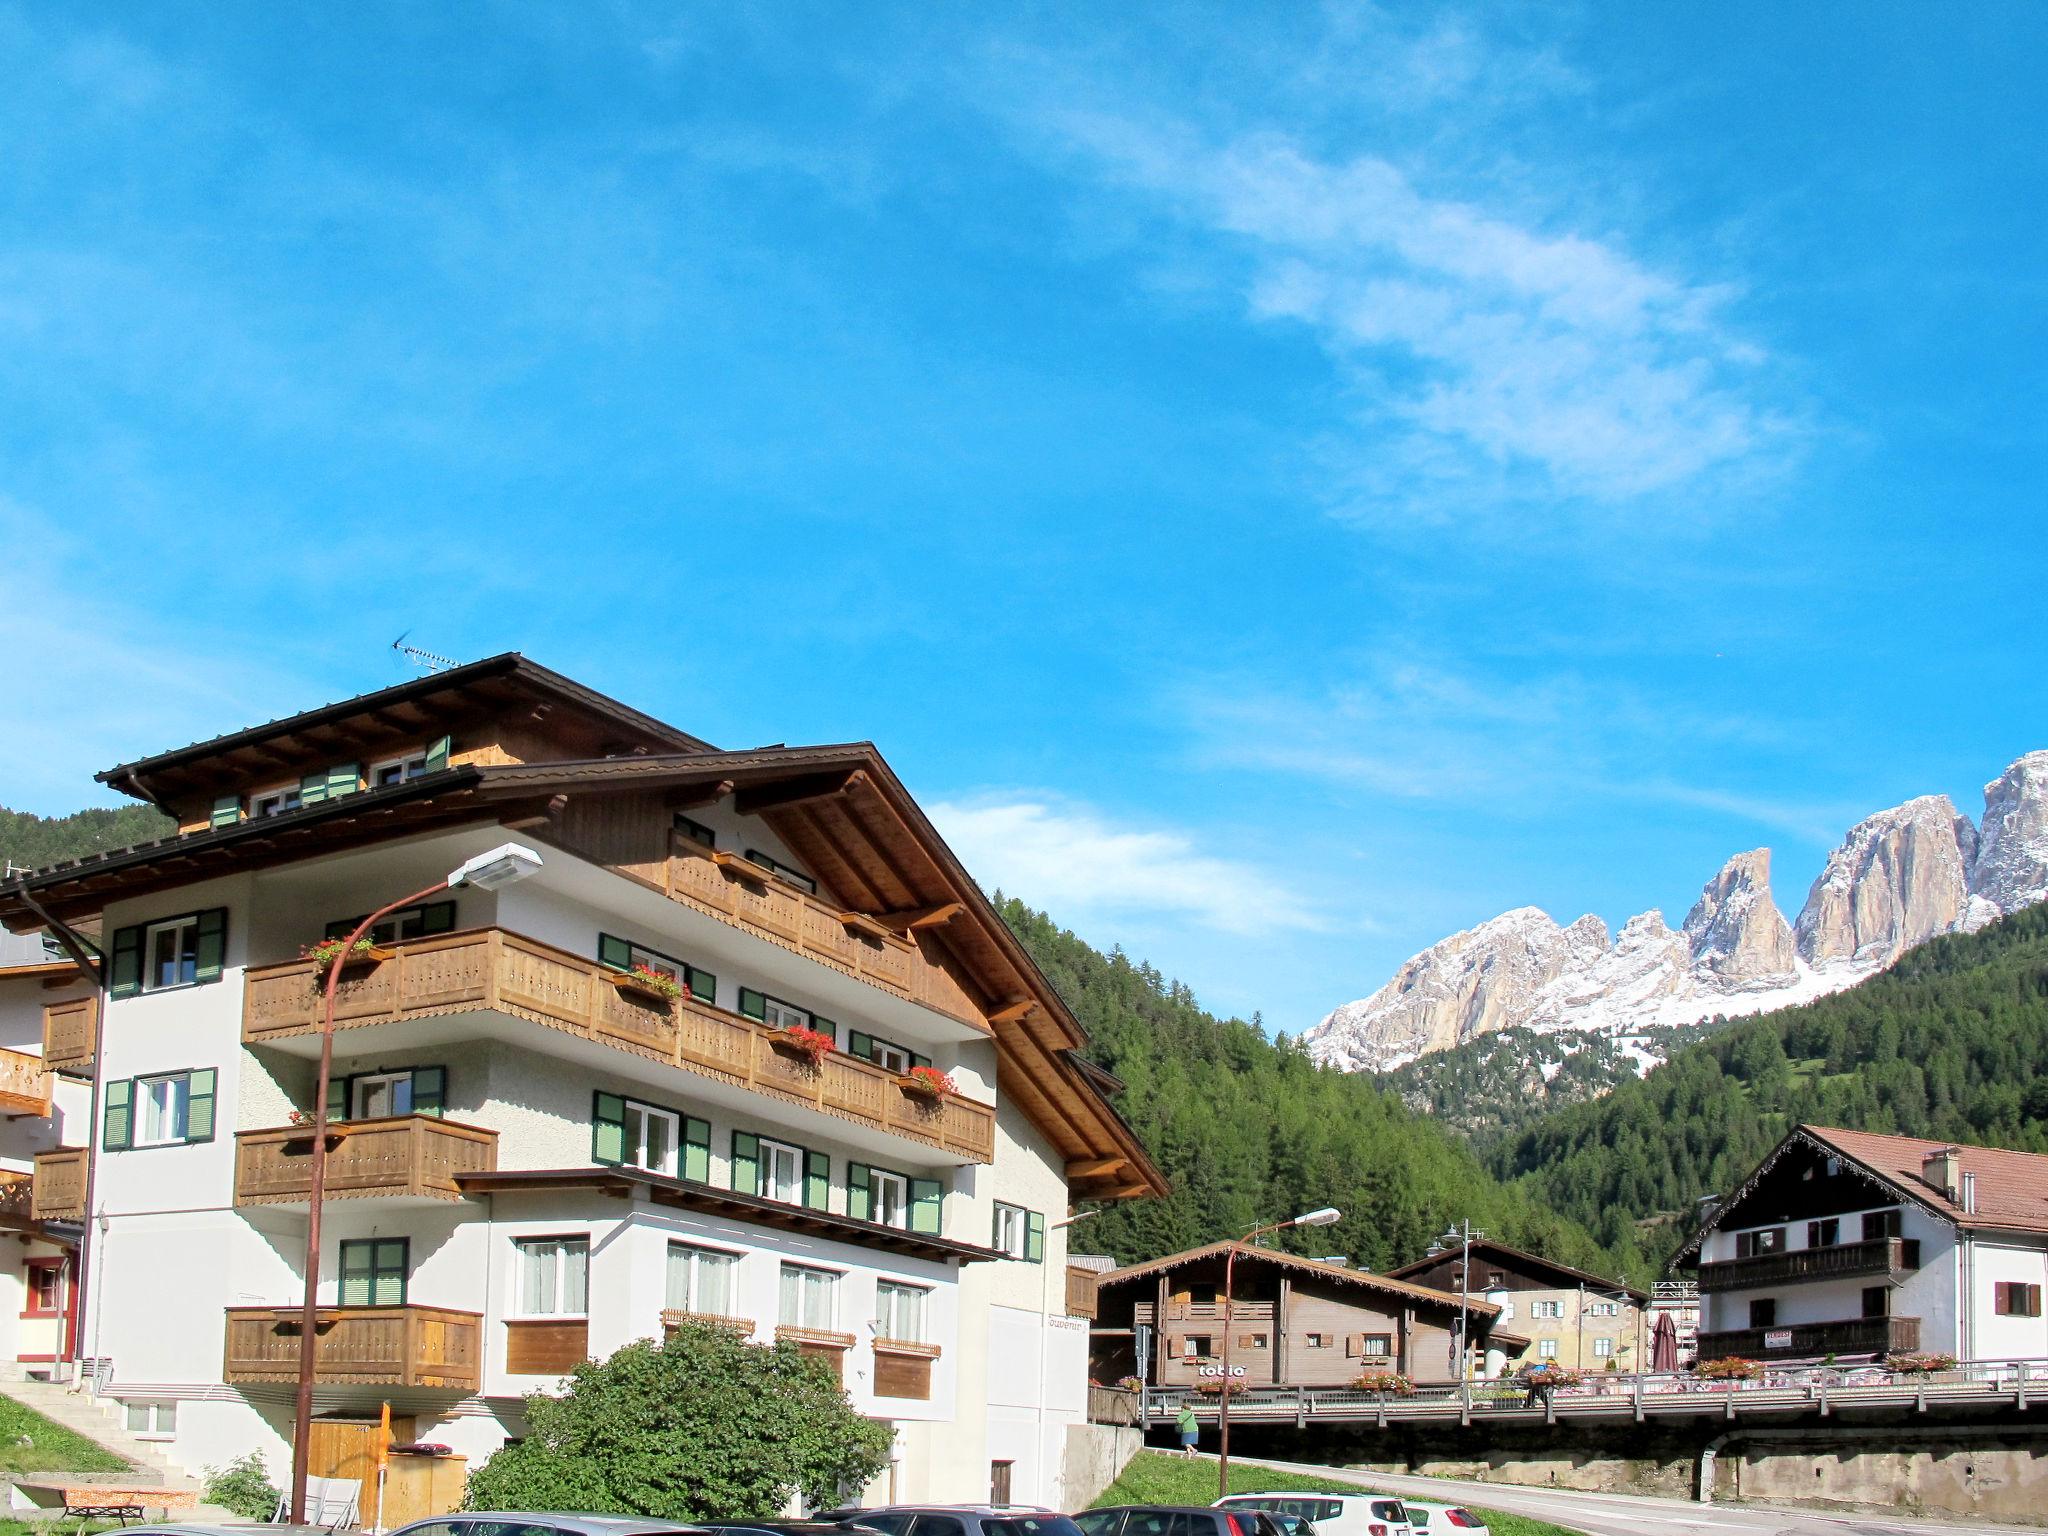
1899, 878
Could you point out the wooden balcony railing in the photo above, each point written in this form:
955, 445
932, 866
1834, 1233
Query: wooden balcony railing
404, 1155
1841, 1261
1209, 1311
1853, 1336
24, 1083
490, 969
60, 1185
69, 1031
17, 1200
359, 1346
1081, 1292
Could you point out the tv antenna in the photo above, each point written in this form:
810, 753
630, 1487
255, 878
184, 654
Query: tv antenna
426, 661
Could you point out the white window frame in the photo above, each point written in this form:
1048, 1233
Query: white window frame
898, 1189
174, 1109
565, 1245
390, 1080
411, 766
637, 1116
1013, 1226
1376, 1346
188, 927
276, 801
1546, 1349
159, 1418
888, 1293
777, 1014
695, 1259
1603, 1348
890, 1058
1601, 1309
769, 1153
812, 1281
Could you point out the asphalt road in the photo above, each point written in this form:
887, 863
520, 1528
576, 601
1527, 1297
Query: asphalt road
1626, 1514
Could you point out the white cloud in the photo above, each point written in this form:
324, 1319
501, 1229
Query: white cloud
1073, 861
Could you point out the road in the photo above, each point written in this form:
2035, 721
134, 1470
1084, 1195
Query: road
1625, 1514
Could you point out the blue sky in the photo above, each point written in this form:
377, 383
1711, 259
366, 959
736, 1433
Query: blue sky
1281, 482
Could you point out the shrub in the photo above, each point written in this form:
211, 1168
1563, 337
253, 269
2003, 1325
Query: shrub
1920, 1365
703, 1425
1390, 1383
243, 1486
1729, 1368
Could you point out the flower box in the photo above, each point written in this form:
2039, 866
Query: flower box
363, 952
1385, 1383
640, 982
927, 1083
801, 1040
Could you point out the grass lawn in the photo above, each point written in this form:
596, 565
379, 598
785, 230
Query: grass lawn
1160, 1477
31, 1443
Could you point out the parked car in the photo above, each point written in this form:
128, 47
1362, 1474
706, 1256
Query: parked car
500, 1522
1176, 1520
963, 1520
1334, 1514
850, 1525
1430, 1518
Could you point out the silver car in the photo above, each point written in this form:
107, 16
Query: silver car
519, 1522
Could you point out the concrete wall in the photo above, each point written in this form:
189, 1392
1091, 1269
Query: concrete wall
1095, 1456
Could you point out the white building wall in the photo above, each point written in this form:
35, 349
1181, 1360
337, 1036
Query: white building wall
1989, 1263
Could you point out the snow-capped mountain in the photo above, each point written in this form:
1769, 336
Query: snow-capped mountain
1899, 878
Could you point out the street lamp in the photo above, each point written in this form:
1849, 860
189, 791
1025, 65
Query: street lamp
1463, 1233
502, 866
1319, 1218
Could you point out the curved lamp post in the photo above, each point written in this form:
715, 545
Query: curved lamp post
1321, 1218
502, 866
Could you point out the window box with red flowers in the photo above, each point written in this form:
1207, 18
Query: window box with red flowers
927, 1083
1384, 1383
645, 981
801, 1040
362, 952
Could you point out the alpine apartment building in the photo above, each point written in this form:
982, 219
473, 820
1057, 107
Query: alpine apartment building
573, 1110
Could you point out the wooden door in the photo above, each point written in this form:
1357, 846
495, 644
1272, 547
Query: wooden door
348, 1448
419, 1487
999, 1482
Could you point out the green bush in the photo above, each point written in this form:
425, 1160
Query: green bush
243, 1486
703, 1426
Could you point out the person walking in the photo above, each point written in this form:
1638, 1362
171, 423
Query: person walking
1184, 1421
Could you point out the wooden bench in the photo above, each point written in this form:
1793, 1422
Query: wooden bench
112, 1500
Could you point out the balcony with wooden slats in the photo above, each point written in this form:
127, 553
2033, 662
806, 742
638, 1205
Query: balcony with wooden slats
432, 1348
1891, 1257
17, 1200
1082, 1292
402, 1157
60, 1185
1852, 1336
24, 1084
491, 970
70, 1029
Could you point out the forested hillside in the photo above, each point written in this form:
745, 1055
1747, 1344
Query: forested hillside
1250, 1131
1952, 1042
30, 842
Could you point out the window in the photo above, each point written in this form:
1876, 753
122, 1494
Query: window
172, 1109
1602, 1308
45, 1287
1602, 1348
406, 923
274, 802
781, 1015
809, 1298
789, 872
1546, 1309
624, 955
1546, 1349
397, 770
886, 1054
183, 951
1877, 1300
377, 1094
1877, 1224
899, 1311
173, 954
1019, 1233
778, 1171
1202, 1295
702, 1280
1824, 1234
2013, 1298
1196, 1346
627, 1133
1376, 1346
1766, 1240
1251, 1341
152, 1420
782, 1172
392, 1091
696, 831
1317, 1341
1764, 1313
373, 1272
554, 1276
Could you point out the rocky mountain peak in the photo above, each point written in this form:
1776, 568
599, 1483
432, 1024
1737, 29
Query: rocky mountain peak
2011, 867
1735, 931
1899, 878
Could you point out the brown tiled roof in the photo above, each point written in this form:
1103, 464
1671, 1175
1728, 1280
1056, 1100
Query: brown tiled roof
1532, 1261
1295, 1261
2011, 1187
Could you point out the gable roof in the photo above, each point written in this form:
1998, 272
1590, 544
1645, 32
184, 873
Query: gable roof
1521, 1258
1318, 1267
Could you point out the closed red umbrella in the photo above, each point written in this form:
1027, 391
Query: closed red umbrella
1664, 1344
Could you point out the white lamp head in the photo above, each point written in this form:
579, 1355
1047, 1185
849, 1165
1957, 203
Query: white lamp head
507, 864
1322, 1218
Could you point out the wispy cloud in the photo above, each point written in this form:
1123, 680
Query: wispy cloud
1075, 861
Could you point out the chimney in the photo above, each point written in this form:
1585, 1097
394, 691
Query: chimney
1705, 1206
1943, 1168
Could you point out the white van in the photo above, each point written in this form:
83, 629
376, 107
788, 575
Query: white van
1430, 1519
1333, 1514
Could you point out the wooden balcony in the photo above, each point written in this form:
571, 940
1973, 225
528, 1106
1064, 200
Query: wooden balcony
1208, 1311
1853, 1336
1885, 1256
24, 1084
488, 969
428, 1347
1081, 1292
17, 1200
70, 1029
60, 1185
405, 1155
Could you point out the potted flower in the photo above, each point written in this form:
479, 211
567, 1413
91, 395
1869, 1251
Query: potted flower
1131, 1384
1729, 1368
362, 952
811, 1044
1920, 1365
644, 981
928, 1083
1385, 1383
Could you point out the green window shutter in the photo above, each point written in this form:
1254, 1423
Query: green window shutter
227, 810
1034, 1237
210, 943
120, 1121
927, 1205
337, 1098
825, 1027
429, 1090
607, 1128
124, 969
753, 1004
313, 789
995, 1226
355, 1273
703, 986
696, 1150
614, 952
394, 1259
746, 1163
437, 917
342, 779
437, 755
860, 1198
858, 1044
199, 1105
920, 1061
818, 1181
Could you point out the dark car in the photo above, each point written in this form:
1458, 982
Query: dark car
849, 1526
1176, 1520
499, 1522
965, 1520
